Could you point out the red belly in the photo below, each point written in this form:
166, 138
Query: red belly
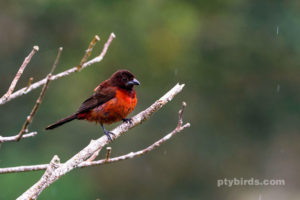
112, 111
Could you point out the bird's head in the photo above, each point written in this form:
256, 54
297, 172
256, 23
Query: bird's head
124, 79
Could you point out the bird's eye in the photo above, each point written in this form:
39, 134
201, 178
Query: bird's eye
124, 79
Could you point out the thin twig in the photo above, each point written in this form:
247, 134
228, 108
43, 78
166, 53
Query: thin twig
29, 83
55, 62
108, 152
14, 138
134, 154
88, 51
37, 84
19, 73
35, 107
107, 159
40, 99
88, 151
180, 113
143, 151
106, 45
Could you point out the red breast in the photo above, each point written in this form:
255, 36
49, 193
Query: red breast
113, 110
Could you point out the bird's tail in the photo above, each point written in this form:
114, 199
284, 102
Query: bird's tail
61, 122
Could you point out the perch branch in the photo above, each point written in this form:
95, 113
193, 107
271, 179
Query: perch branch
37, 84
88, 151
107, 159
131, 155
19, 73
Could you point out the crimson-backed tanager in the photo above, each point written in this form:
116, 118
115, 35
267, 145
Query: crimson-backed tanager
112, 101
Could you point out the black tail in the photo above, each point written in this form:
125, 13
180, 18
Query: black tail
61, 122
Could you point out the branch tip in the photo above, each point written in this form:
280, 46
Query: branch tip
39, 100
14, 138
9, 96
88, 52
108, 152
180, 113
36, 48
60, 49
55, 159
97, 37
187, 125
29, 83
14, 82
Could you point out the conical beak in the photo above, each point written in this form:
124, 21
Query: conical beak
135, 82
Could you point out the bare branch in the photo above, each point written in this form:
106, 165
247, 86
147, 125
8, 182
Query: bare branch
94, 156
89, 162
34, 109
178, 129
135, 154
40, 98
14, 138
106, 45
180, 113
55, 63
88, 51
37, 84
98, 144
19, 73
53, 165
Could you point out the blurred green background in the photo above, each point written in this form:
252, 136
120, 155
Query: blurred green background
239, 61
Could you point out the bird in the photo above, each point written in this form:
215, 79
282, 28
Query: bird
112, 101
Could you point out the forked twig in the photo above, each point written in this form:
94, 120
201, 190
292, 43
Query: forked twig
107, 159
37, 84
46, 81
82, 156
40, 98
19, 73
15, 137
29, 118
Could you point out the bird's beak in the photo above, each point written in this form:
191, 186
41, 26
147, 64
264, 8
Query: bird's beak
133, 82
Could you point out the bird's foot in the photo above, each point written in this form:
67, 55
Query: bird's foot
127, 120
108, 133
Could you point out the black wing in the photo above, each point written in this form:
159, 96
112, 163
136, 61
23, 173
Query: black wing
100, 97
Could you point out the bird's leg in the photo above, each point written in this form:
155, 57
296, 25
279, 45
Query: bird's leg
107, 133
127, 120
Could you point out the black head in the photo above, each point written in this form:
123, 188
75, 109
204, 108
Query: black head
124, 79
